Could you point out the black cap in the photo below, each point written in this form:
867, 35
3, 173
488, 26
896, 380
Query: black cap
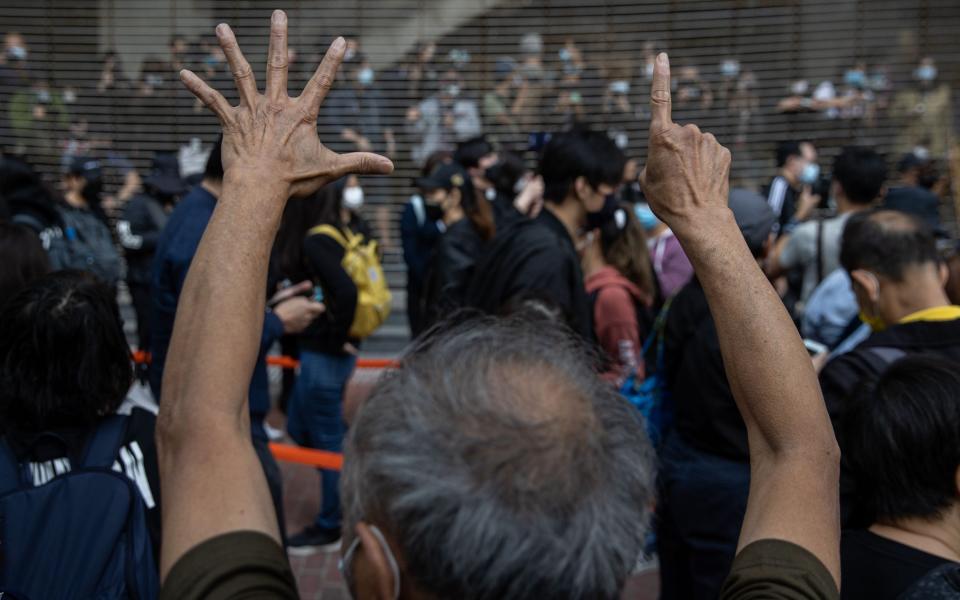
911, 160
753, 215
86, 167
446, 176
165, 176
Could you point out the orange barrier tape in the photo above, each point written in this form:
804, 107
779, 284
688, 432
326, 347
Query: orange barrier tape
288, 362
307, 456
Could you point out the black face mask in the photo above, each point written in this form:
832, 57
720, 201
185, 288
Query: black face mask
91, 191
595, 220
434, 211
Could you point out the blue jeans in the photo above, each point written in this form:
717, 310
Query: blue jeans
315, 420
703, 498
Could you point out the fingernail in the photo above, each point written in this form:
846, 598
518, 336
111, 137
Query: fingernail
278, 17
339, 43
221, 29
662, 59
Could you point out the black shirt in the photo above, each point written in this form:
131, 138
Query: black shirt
878, 568
841, 379
706, 415
330, 331
535, 259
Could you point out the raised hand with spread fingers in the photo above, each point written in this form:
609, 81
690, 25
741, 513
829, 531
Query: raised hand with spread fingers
212, 483
272, 132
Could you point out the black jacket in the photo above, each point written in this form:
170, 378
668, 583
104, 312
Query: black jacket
533, 258
139, 231
450, 270
420, 235
841, 379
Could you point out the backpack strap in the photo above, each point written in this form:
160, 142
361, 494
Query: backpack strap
881, 357
102, 448
331, 231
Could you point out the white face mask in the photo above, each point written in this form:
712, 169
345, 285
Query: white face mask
353, 197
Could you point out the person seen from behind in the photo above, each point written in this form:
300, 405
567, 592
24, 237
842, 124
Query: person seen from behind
903, 444
65, 370
623, 290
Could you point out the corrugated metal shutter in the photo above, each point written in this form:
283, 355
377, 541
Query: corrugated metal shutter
68, 96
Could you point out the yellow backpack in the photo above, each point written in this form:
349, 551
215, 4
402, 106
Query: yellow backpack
362, 263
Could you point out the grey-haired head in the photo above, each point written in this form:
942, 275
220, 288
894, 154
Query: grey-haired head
502, 466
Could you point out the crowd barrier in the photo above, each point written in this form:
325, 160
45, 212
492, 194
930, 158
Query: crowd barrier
289, 362
320, 459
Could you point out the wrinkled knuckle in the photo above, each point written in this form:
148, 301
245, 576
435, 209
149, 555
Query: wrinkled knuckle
243, 72
323, 81
306, 116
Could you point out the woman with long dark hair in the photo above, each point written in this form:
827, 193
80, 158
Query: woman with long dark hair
620, 280
327, 353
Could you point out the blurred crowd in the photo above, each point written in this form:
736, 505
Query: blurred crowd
659, 309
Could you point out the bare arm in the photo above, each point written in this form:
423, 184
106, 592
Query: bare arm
211, 479
794, 459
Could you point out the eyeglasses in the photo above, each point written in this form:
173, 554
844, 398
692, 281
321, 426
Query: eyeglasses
346, 563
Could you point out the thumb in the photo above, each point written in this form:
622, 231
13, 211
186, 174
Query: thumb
316, 308
361, 163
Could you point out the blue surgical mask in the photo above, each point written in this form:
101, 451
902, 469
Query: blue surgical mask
926, 73
365, 76
17, 52
647, 219
565, 54
730, 68
620, 87
855, 78
810, 174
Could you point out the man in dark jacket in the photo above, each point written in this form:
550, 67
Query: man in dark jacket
898, 280
139, 230
537, 258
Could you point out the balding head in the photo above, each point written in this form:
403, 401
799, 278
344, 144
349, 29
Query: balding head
502, 466
886, 243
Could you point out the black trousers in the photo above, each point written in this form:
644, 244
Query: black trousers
702, 501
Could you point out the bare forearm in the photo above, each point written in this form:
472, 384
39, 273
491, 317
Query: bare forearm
767, 365
220, 315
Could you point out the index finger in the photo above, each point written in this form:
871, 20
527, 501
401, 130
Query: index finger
318, 86
660, 119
